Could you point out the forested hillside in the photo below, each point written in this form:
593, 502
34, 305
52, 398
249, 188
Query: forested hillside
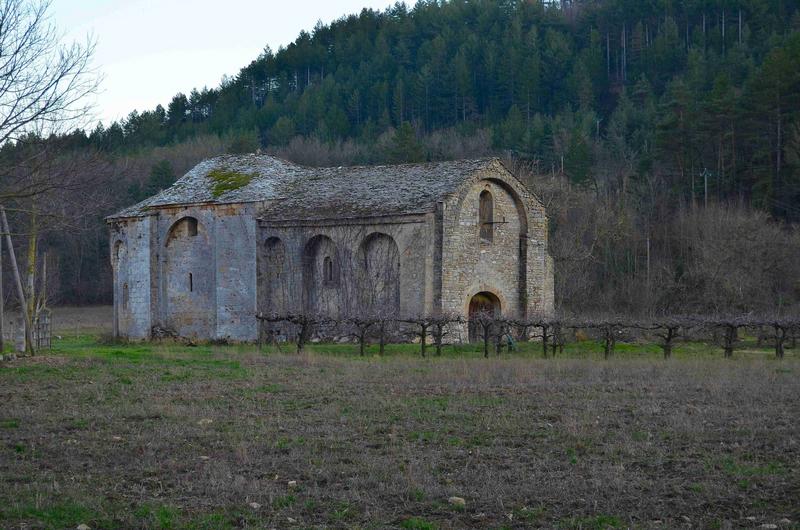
661, 87
660, 133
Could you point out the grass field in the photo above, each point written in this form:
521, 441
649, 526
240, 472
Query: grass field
168, 436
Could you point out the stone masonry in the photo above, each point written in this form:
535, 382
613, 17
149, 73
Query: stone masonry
242, 235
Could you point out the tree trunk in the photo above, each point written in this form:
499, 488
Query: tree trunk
545, 338
17, 281
608, 346
780, 339
2, 303
729, 340
302, 336
437, 337
667, 345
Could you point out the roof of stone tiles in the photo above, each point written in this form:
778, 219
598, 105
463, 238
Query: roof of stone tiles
290, 191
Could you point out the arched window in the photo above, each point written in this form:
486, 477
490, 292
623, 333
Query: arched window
486, 215
327, 270
125, 296
191, 226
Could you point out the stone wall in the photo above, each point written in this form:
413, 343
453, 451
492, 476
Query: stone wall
198, 286
305, 246
514, 265
130, 258
205, 271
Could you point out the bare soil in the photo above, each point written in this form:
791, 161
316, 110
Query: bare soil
164, 437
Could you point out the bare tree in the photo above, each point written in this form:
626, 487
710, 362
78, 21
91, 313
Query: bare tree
422, 324
558, 337
668, 329
783, 327
385, 323
729, 325
54, 212
546, 330
44, 84
361, 326
439, 326
485, 323
44, 89
304, 325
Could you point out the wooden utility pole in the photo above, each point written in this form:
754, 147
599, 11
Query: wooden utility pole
18, 280
2, 303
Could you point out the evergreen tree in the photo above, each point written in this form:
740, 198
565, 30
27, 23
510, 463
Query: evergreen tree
405, 146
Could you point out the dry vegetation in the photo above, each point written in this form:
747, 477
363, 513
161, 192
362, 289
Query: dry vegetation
175, 437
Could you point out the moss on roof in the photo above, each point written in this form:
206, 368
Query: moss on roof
225, 180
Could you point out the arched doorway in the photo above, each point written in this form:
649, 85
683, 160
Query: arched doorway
483, 302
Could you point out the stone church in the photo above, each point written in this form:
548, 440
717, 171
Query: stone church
248, 234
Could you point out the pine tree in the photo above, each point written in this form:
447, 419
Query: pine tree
405, 147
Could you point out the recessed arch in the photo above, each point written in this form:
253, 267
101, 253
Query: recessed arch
512, 207
272, 276
321, 275
379, 259
519, 203
183, 228
119, 273
189, 279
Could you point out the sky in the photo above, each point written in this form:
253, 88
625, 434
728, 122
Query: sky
149, 50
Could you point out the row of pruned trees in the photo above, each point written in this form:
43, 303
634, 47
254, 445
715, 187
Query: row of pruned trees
496, 332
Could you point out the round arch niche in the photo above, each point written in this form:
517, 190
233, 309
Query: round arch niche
321, 275
272, 280
189, 279
379, 259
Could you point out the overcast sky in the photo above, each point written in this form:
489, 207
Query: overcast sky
148, 50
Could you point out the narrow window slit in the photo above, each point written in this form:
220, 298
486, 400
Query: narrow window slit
486, 216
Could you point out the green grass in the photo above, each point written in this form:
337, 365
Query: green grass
60, 515
172, 353
598, 522
740, 469
383, 441
415, 523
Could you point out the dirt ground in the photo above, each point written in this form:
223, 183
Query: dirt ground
210, 437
